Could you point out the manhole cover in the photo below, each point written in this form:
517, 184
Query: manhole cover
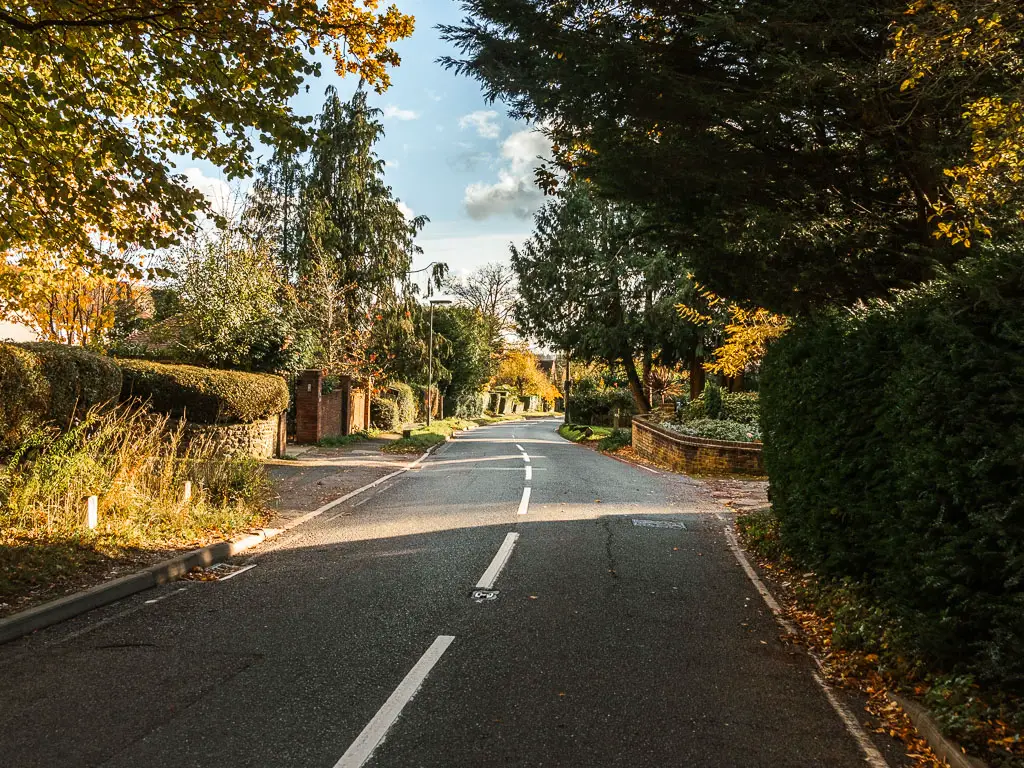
482, 595
659, 524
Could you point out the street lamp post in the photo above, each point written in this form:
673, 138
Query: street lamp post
430, 356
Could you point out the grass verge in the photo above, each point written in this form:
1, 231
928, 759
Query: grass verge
424, 437
342, 440
864, 647
137, 465
607, 439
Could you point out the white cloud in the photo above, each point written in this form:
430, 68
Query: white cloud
406, 210
217, 191
483, 122
514, 193
392, 164
397, 113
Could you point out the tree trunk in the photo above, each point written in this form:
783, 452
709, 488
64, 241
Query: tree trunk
696, 376
636, 386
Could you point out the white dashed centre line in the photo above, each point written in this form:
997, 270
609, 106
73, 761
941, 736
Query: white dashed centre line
529, 473
498, 563
524, 503
375, 731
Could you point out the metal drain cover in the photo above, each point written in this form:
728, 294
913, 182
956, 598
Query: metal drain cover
483, 595
659, 524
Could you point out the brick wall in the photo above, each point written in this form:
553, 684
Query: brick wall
332, 414
695, 455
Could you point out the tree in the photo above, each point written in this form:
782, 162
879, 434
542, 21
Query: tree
491, 290
464, 357
769, 143
235, 310
341, 239
971, 52
518, 370
81, 307
594, 283
98, 97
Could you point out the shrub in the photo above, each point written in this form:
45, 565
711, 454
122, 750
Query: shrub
385, 414
468, 405
24, 395
204, 395
402, 394
893, 441
743, 407
713, 408
620, 438
79, 380
595, 406
718, 429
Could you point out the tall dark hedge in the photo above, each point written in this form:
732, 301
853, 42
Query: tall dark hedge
24, 395
894, 441
203, 395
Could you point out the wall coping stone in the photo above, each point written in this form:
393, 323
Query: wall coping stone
747, 445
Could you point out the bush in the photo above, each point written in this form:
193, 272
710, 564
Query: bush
713, 401
79, 380
893, 441
718, 429
742, 407
596, 406
385, 414
402, 394
24, 395
205, 395
468, 405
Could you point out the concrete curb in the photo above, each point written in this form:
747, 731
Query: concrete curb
945, 749
69, 606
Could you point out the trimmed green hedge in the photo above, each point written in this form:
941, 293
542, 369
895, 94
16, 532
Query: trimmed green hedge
24, 395
595, 406
894, 441
79, 379
203, 395
742, 407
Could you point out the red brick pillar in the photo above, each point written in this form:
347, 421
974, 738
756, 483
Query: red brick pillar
308, 425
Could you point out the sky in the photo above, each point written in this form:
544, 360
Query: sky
449, 154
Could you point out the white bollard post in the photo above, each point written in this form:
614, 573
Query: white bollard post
92, 512
188, 490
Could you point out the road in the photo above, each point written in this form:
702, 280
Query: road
621, 630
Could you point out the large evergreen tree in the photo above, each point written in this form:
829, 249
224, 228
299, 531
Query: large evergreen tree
770, 141
593, 282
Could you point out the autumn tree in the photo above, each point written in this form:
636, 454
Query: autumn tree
98, 97
518, 370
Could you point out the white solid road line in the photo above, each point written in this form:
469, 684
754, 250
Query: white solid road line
498, 563
375, 731
871, 754
524, 503
519, 446
526, 458
529, 473
240, 570
656, 472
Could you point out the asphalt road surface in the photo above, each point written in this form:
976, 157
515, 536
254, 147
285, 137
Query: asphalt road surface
449, 617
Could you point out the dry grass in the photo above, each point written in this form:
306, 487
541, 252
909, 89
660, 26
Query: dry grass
137, 465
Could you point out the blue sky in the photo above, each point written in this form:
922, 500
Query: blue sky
450, 155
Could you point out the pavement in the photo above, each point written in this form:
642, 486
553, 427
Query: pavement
447, 618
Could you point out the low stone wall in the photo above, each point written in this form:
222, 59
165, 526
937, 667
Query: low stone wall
262, 439
696, 455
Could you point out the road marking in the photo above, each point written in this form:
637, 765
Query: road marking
375, 731
526, 458
658, 524
871, 754
240, 570
164, 597
524, 503
529, 473
498, 563
656, 472
519, 447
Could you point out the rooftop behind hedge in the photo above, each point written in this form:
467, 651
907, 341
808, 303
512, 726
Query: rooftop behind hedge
203, 395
